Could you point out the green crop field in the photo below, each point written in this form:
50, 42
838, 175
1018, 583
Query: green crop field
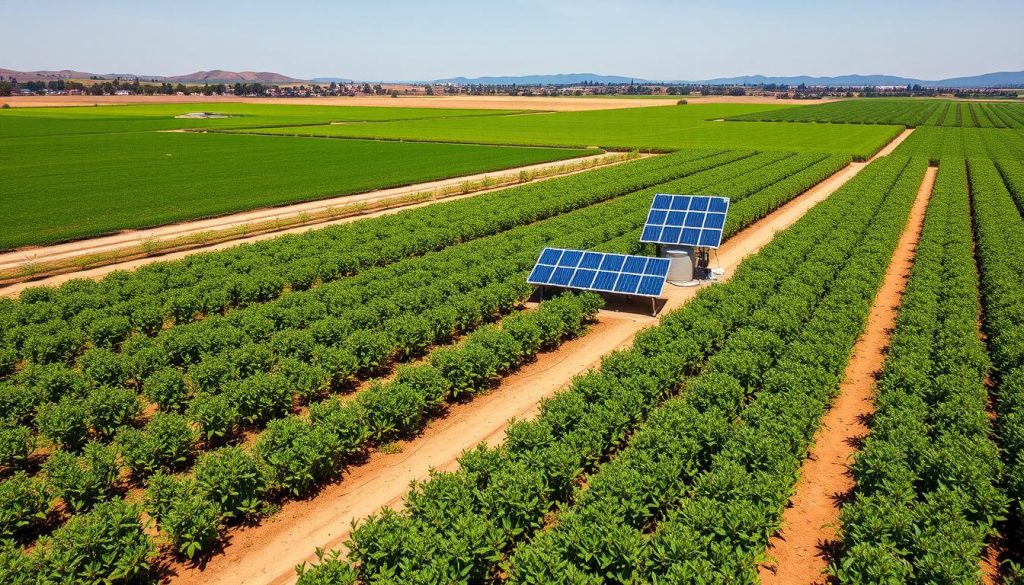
909, 112
61, 188
666, 128
84, 120
938, 142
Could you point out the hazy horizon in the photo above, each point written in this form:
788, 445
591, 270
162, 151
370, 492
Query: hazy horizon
402, 40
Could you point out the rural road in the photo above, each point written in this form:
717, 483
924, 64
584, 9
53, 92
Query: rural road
268, 553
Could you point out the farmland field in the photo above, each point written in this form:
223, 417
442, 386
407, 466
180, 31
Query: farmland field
183, 421
106, 119
99, 186
665, 128
905, 112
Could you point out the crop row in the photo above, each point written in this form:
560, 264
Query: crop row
912, 113
948, 143
458, 526
256, 339
1000, 239
293, 456
167, 440
306, 342
105, 313
927, 494
710, 470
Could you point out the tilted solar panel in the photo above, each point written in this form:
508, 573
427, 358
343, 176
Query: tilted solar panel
688, 220
597, 271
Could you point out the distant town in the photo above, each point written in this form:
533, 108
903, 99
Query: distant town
10, 85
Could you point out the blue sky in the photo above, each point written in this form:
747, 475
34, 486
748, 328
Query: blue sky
403, 40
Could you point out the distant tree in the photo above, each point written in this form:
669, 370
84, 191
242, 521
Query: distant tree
6, 88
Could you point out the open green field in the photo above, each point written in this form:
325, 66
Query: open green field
666, 128
907, 111
67, 187
99, 119
938, 143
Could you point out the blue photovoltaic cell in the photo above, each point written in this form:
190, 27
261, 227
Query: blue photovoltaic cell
627, 283
582, 278
618, 273
550, 256
635, 264
689, 220
561, 276
605, 281
651, 285
591, 260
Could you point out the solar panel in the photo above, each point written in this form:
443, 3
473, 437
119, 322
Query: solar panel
616, 273
689, 220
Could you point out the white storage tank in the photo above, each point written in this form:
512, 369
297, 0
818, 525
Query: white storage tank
681, 264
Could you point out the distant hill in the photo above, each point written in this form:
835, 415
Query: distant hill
998, 79
1015, 78
557, 79
215, 76
220, 76
44, 75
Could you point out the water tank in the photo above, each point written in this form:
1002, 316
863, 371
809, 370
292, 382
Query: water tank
681, 261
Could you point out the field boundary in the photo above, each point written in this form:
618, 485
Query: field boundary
95, 257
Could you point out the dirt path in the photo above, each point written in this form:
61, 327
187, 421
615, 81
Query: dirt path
126, 250
268, 553
809, 525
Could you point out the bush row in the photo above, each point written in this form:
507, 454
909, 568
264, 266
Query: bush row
105, 313
926, 491
222, 351
457, 526
296, 455
679, 453
1000, 239
291, 457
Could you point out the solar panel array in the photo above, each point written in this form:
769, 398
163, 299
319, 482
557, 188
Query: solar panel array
598, 271
687, 220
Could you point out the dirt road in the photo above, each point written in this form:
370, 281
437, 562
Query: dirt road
809, 525
268, 553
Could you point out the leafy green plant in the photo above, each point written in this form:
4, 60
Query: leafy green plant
23, 504
230, 477
166, 387
16, 443
261, 398
192, 523
108, 409
64, 423
105, 545
214, 415
84, 480
163, 445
